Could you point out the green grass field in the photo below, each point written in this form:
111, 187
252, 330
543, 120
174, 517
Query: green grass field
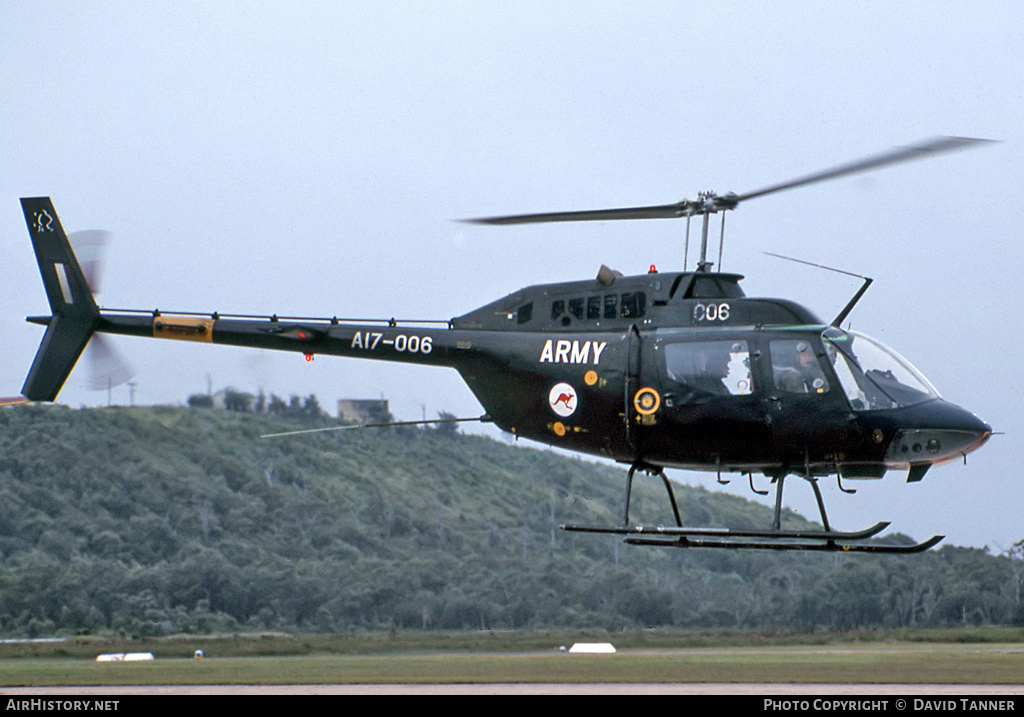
489, 658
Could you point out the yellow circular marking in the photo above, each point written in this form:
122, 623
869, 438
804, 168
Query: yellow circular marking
590, 378
558, 428
646, 401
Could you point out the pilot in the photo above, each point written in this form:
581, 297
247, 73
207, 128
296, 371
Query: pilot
805, 375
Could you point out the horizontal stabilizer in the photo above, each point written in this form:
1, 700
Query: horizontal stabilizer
63, 343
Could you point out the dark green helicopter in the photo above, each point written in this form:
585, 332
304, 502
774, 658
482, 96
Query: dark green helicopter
661, 370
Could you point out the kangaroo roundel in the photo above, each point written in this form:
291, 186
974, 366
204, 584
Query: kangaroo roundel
563, 399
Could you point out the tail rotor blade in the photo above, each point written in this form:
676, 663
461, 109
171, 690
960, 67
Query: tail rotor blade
90, 247
107, 368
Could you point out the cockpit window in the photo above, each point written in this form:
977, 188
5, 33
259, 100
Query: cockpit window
873, 376
720, 368
795, 367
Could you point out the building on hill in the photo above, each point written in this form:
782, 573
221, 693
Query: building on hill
355, 410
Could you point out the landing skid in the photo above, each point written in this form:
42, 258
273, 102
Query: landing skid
826, 540
771, 542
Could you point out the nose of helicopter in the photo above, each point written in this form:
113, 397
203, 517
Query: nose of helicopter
938, 432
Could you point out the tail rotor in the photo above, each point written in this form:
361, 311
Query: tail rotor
107, 367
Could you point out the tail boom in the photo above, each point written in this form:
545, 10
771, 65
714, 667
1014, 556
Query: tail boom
405, 343
75, 317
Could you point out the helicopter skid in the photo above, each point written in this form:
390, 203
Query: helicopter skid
828, 546
806, 540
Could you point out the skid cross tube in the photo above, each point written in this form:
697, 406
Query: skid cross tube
629, 489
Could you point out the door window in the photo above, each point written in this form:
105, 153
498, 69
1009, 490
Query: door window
720, 368
795, 368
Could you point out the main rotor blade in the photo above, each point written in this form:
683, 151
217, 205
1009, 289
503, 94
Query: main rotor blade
710, 203
899, 155
661, 211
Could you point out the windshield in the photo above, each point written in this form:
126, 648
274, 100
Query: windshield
874, 376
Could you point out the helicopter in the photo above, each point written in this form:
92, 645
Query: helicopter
654, 371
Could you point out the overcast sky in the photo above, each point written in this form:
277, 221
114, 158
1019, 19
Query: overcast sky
309, 158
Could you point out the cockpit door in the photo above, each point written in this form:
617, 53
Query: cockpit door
804, 405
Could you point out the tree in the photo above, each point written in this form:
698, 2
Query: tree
200, 400
311, 407
447, 426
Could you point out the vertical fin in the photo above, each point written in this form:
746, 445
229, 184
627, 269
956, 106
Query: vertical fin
74, 311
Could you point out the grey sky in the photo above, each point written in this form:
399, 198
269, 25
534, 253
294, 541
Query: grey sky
309, 158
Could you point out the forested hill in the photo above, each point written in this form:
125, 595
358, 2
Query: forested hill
150, 521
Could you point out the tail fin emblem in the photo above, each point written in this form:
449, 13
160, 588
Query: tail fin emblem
43, 222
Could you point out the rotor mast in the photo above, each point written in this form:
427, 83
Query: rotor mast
711, 203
